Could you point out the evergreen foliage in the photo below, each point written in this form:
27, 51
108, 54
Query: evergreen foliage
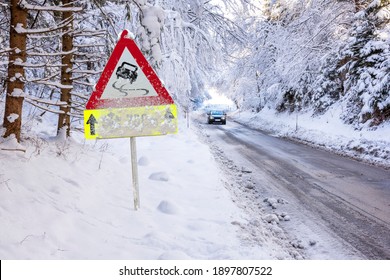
367, 67
312, 55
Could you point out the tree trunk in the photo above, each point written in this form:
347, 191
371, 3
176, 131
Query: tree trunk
66, 70
15, 80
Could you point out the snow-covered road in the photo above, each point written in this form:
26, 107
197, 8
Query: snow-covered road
328, 204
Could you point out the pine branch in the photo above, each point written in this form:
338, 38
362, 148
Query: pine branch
79, 95
26, 65
5, 51
24, 5
51, 54
21, 30
90, 72
13, 150
44, 108
53, 84
89, 33
89, 45
46, 101
83, 83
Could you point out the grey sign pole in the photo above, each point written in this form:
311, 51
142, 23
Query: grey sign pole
134, 169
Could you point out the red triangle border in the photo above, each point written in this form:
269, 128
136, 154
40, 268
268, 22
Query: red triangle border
95, 101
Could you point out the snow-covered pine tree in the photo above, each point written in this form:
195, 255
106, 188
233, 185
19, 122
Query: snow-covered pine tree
62, 63
367, 67
328, 85
60, 15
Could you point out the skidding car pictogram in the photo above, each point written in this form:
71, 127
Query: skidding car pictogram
127, 71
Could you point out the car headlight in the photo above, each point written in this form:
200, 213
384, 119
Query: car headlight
211, 117
223, 117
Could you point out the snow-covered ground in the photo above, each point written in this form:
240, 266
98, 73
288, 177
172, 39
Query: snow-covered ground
73, 199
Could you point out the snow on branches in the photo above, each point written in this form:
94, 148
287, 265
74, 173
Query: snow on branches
25, 5
152, 21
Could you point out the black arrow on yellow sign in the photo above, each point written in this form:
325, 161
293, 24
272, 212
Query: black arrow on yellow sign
91, 121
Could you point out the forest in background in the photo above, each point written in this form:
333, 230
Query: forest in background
297, 55
311, 55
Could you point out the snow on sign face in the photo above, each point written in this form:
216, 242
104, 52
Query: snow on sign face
129, 99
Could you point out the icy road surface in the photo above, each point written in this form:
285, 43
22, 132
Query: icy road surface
333, 207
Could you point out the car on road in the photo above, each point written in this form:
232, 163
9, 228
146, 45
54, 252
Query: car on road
216, 116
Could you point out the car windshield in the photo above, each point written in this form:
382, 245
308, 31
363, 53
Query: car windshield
216, 112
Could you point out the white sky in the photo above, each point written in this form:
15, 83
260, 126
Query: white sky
217, 98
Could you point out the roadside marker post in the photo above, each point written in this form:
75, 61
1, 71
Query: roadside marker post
128, 101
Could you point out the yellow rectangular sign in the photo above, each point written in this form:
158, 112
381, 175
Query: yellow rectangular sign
130, 122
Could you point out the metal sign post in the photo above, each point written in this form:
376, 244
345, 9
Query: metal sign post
134, 169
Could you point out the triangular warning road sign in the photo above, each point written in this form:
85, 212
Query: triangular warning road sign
128, 79
129, 99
